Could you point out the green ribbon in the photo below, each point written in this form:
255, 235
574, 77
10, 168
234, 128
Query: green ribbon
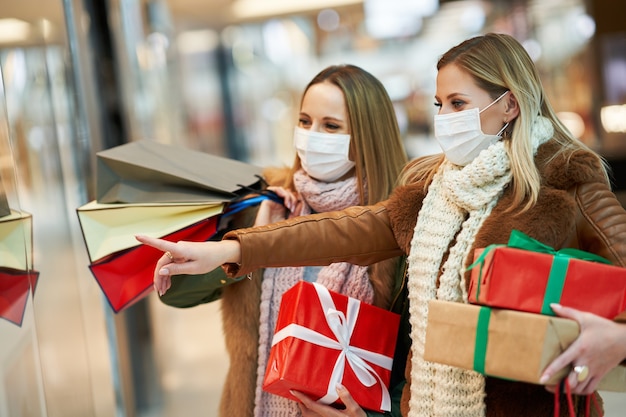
482, 338
558, 270
481, 342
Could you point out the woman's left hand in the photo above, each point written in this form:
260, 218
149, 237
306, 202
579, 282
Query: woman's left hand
271, 212
311, 408
600, 347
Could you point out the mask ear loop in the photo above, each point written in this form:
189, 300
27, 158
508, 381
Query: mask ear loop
502, 131
494, 102
491, 104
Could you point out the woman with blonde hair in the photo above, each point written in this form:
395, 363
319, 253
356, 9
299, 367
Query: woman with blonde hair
507, 163
348, 152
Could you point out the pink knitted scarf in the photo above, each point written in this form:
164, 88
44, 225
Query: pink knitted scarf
344, 278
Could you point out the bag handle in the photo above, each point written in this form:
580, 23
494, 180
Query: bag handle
565, 387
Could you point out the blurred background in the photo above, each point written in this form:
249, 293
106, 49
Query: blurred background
223, 77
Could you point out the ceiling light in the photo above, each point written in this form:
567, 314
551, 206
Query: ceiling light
13, 30
614, 118
251, 9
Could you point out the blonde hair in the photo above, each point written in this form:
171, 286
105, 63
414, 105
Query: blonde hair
497, 63
375, 141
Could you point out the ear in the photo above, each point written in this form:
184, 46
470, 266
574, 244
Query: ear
512, 108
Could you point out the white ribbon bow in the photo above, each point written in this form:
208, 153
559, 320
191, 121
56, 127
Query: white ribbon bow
342, 326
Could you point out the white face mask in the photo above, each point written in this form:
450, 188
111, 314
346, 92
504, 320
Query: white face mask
460, 136
324, 156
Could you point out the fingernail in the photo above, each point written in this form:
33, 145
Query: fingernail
544, 379
553, 305
292, 392
164, 271
339, 387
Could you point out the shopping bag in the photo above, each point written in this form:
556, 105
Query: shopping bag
15, 287
126, 277
195, 289
150, 172
17, 277
111, 228
16, 240
4, 204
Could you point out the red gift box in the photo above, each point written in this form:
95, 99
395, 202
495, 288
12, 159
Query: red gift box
525, 280
323, 338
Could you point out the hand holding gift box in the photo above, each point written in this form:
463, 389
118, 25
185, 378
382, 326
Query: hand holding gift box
527, 275
485, 340
323, 338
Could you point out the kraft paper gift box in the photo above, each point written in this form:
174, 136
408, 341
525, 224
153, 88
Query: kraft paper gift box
310, 354
527, 275
503, 343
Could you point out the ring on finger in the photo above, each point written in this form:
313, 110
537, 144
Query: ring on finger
582, 372
169, 255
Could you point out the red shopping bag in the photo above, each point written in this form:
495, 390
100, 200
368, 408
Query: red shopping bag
15, 286
126, 277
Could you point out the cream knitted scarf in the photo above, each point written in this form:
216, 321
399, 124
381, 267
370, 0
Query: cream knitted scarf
344, 278
458, 201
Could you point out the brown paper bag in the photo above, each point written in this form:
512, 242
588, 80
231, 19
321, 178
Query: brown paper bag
503, 343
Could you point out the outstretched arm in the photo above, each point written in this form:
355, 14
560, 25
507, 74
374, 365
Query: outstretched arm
189, 258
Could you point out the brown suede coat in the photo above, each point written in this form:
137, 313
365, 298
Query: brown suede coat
575, 209
240, 318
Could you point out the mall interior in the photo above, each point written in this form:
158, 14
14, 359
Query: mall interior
222, 77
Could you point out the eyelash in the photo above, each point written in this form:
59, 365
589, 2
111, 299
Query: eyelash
455, 104
329, 126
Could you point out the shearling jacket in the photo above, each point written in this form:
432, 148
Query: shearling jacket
575, 208
240, 316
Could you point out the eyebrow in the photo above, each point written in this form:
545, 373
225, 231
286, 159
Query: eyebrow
326, 118
451, 95
334, 119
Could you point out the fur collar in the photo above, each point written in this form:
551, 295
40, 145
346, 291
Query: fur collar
556, 213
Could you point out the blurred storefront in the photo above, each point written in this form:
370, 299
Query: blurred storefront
86, 75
